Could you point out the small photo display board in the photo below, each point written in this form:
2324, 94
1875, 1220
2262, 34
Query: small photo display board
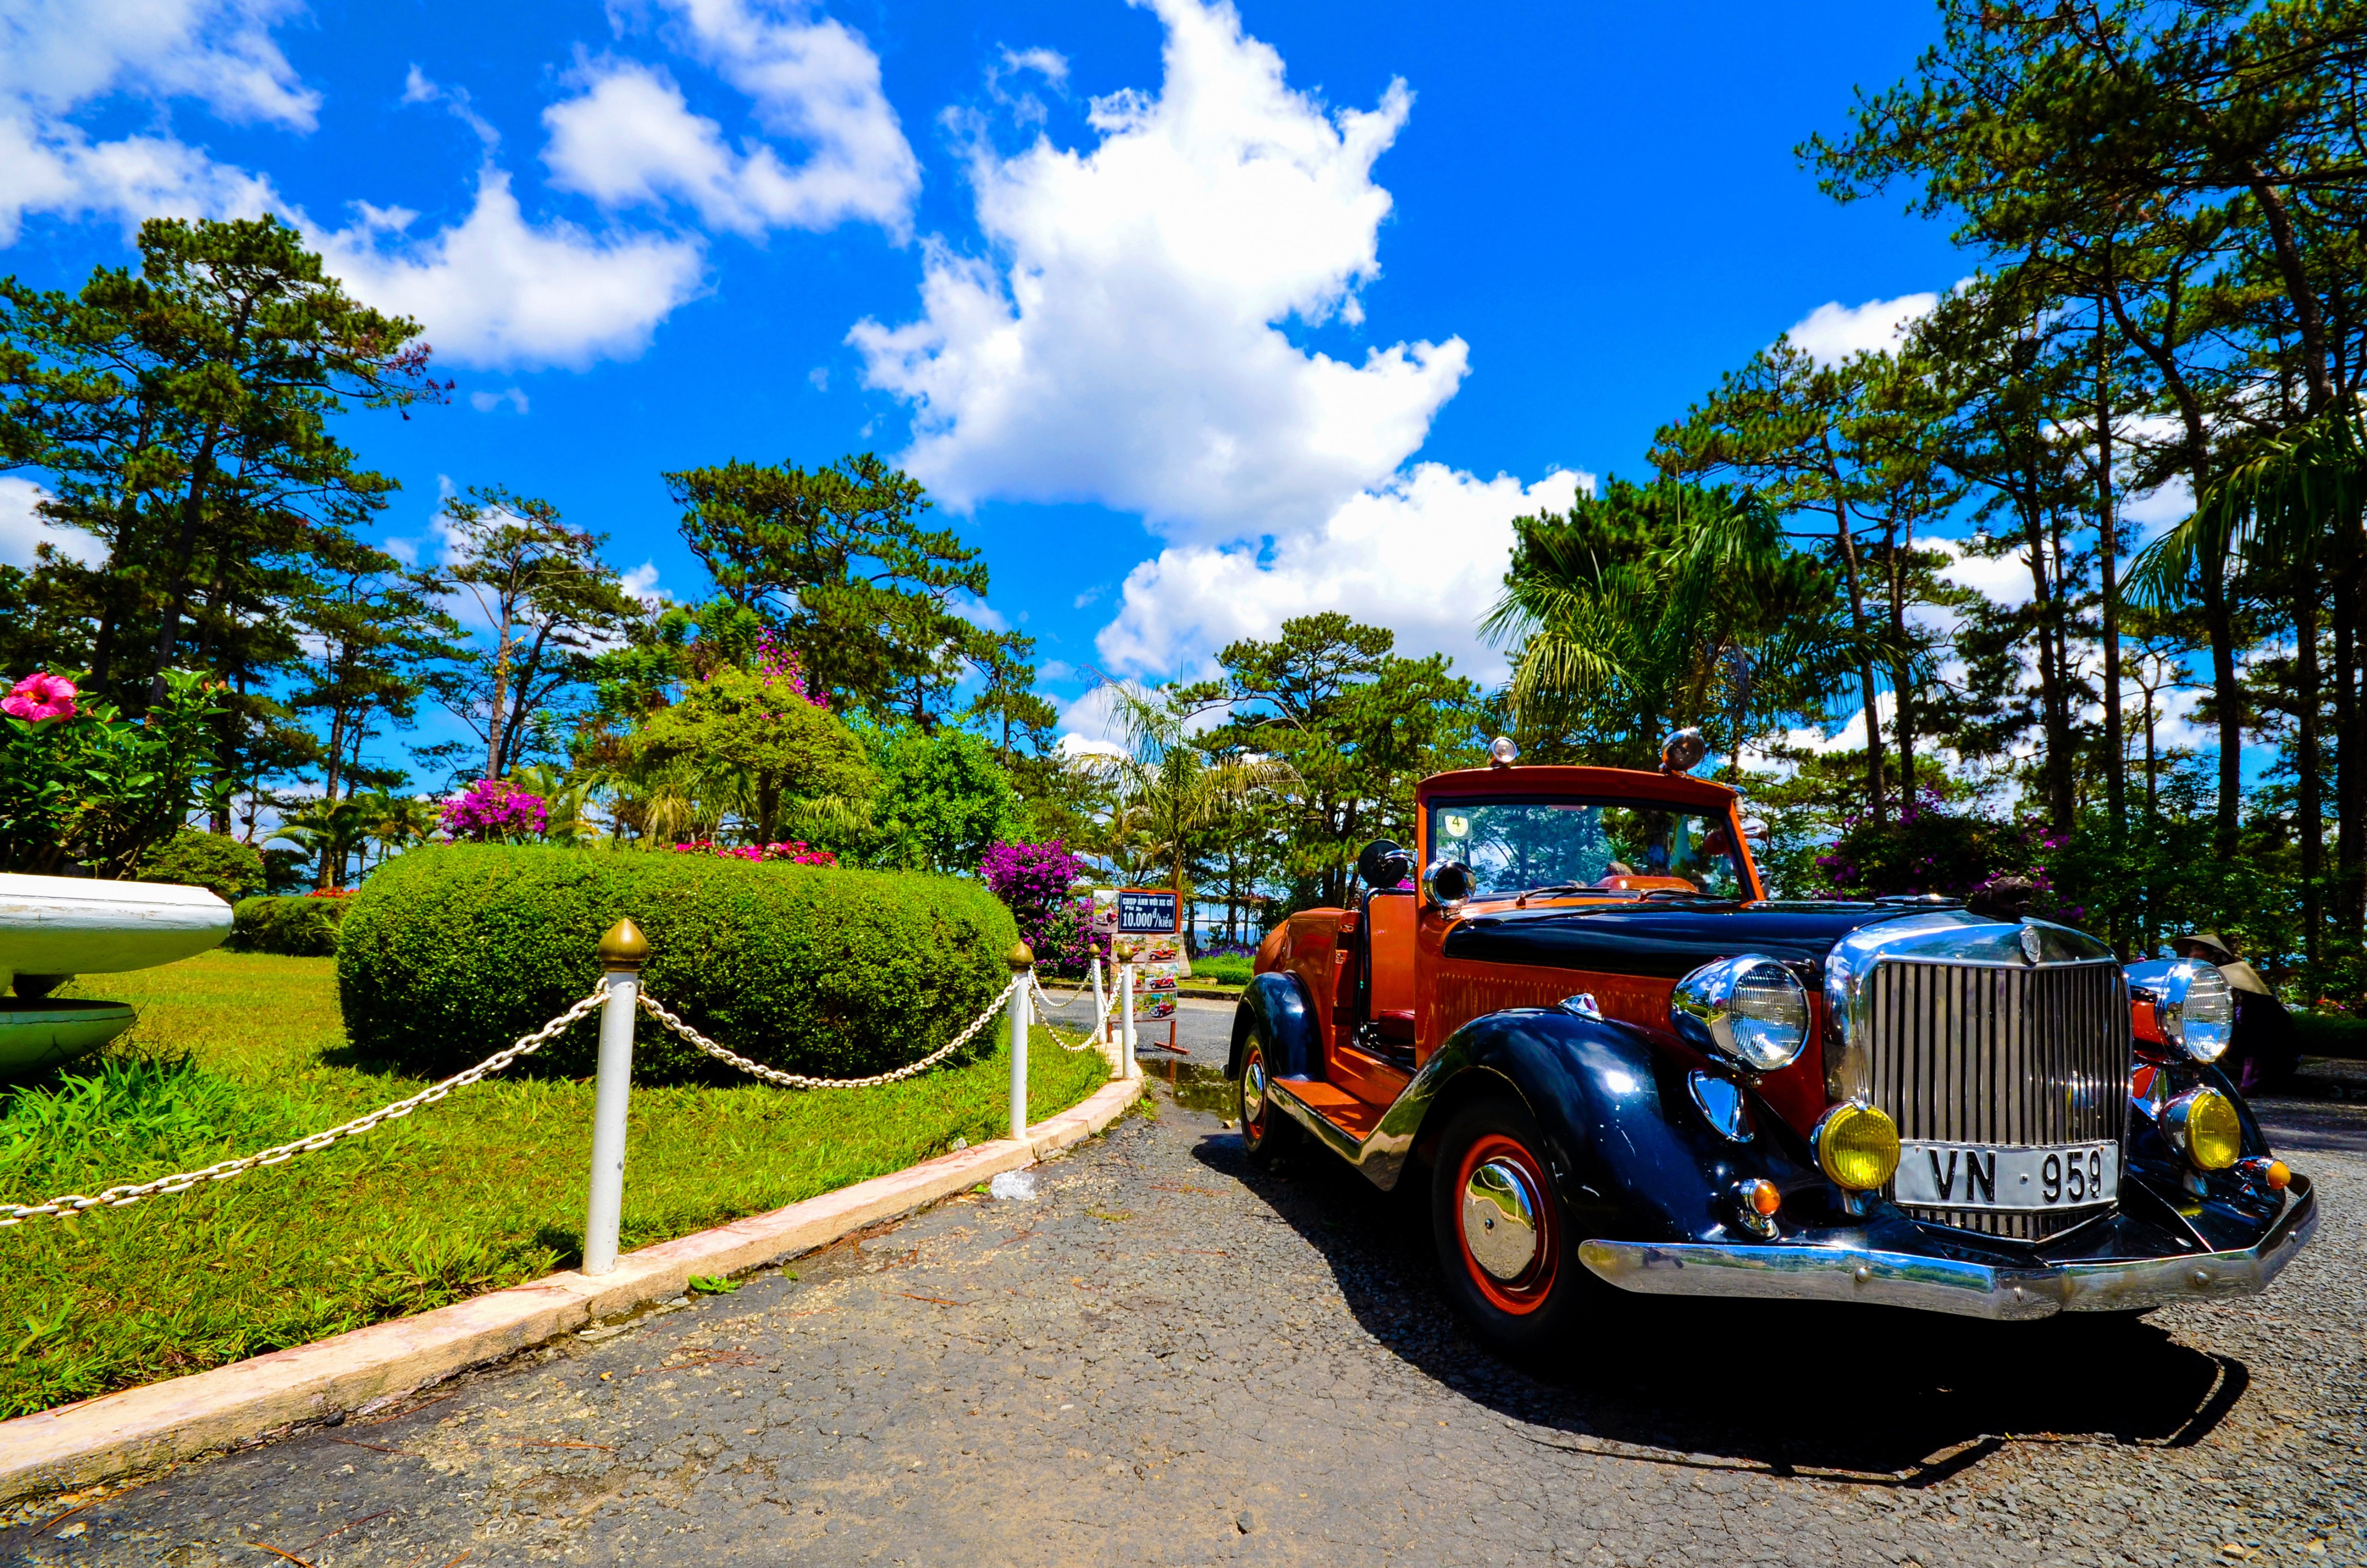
1146, 929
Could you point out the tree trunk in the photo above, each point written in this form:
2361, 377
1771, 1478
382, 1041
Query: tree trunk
2309, 814
2107, 553
1865, 662
2227, 695
1902, 678
2051, 705
2348, 772
184, 553
2308, 323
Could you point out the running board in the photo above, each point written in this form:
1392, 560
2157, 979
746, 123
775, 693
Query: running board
1379, 1154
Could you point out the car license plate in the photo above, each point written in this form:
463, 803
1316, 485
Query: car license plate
1982, 1175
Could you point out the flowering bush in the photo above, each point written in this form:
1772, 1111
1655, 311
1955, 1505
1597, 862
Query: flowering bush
80, 785
1033, 881
775, 665
1066, 942
330, 892
493, 811
1927, 850
40, 696
797, 851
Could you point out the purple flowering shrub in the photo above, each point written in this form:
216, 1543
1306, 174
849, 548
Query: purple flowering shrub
777, 666
493, 810
1033, 881
1927, 850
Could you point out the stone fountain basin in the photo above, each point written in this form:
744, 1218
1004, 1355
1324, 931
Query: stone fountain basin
61, 925
40, 1034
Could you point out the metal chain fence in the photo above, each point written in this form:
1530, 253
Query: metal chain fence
799, 1081
118, 1196
526, 1045
1046, 1005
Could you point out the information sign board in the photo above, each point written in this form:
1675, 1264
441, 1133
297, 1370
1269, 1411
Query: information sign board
1146, 929
1143, 910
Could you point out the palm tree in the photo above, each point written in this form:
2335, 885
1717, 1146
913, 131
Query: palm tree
1651, 610
395, 823
1166, 787
2291, 516
566, 803
331, 829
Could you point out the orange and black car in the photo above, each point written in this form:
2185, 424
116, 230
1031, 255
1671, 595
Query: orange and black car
1618, 1065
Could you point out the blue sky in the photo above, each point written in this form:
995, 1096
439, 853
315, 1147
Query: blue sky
1191, 318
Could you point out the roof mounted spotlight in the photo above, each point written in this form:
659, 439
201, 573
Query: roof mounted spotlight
1502, 752
1682, 751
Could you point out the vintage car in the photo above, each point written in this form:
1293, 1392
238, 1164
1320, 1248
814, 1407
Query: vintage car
1617, 1063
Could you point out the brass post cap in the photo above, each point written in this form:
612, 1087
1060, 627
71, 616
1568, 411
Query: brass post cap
624, 947
1021, 957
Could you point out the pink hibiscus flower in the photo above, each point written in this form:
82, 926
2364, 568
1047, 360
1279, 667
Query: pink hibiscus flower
39, 697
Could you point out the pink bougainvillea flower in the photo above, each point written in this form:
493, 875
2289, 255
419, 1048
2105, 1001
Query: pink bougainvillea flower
40, 696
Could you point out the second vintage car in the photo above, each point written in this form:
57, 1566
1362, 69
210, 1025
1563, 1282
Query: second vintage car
1617, 1063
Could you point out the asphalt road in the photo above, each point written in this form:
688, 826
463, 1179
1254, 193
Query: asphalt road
1203, 1030
1166, 1359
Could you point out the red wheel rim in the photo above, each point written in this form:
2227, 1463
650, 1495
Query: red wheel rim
1528, 1290
1253, 1091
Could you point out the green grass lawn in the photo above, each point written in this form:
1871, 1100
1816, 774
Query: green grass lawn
234, 1052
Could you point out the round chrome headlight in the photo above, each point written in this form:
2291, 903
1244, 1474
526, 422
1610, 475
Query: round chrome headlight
1748, 1009
1449, 883
2193, 1005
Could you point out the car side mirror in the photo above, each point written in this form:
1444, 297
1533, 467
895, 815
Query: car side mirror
1384, 865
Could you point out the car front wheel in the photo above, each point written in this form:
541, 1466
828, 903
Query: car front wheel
1265, 1129
1505, 1244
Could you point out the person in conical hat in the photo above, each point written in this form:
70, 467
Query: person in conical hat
2210, 948
2263, 1054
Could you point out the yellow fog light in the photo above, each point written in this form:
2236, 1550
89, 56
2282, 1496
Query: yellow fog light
2202, 1124
1858, 1146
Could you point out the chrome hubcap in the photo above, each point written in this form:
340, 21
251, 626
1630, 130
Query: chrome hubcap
1253, 1089
1500, 1220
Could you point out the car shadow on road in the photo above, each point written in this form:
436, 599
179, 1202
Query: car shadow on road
1869, 1395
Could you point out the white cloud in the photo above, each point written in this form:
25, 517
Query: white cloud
630, 138
1126, 347
1832, 332
56, 55
641, 581
495, 290
21, 529
486, 401
1423, 555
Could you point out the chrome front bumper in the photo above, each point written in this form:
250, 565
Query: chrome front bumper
1799, 1272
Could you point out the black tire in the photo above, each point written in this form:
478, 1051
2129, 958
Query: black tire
1532, 1304
1266, 1129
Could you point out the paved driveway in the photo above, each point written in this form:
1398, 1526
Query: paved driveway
1167, 1359
1203, 1031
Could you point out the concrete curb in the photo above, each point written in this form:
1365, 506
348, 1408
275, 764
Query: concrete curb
142, 1428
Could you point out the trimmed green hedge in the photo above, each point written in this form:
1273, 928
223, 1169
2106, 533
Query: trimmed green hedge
293, 927
215, 861
453, 951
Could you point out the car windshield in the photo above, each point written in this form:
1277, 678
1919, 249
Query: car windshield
1516, 845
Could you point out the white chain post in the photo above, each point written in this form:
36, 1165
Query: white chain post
1127, 1066
622, 952
1100, 1007
1021, 960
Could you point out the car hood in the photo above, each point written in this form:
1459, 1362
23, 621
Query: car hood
1663, 940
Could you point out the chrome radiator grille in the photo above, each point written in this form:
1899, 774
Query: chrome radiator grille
1986, 1053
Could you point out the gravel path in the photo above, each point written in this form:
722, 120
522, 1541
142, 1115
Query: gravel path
1164, 1358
